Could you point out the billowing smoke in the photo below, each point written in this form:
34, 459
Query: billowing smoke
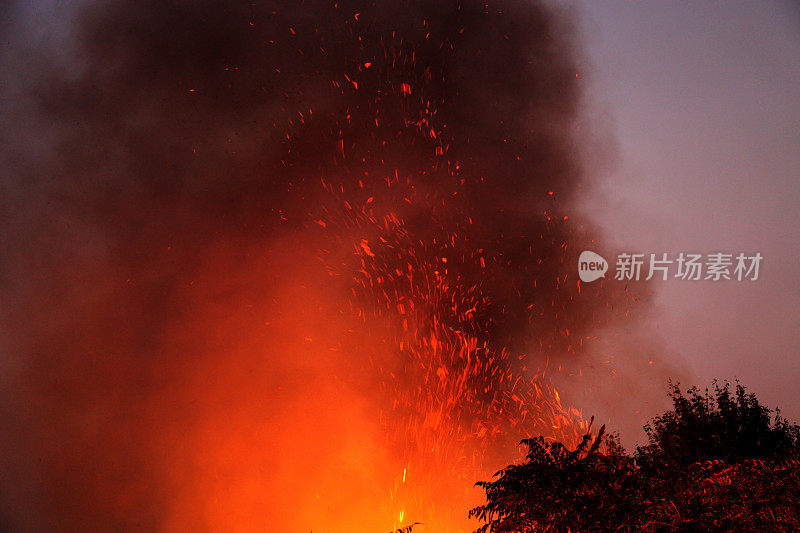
219, 222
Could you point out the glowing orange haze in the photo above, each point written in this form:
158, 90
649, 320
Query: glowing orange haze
277, 425
299, 269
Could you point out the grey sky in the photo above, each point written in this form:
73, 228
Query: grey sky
702, 103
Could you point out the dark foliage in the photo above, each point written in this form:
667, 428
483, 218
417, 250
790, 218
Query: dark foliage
717, 424
717, 462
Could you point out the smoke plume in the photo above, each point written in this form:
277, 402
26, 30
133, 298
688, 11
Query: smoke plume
217, 218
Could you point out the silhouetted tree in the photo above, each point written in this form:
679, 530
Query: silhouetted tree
717, 462
717, 424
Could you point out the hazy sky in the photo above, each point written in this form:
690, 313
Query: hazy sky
701, 101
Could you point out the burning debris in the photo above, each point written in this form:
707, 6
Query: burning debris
308, 264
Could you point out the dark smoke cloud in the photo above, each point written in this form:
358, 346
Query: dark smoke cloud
163, 164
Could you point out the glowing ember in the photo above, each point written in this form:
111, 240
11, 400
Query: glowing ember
450, 398
310, 266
